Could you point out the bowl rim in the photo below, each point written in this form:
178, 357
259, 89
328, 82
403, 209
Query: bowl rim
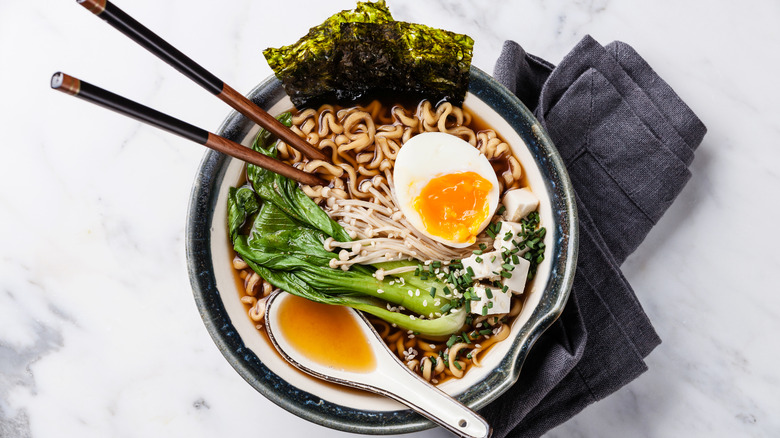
203, 197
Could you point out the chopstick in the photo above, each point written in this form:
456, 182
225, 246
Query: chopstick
163, 50
75, 87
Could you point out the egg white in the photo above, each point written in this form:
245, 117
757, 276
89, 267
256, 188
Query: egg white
432, 154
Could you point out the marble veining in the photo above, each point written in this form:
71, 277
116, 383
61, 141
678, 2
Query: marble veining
99, 334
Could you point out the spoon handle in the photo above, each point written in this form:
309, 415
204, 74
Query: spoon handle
437, 406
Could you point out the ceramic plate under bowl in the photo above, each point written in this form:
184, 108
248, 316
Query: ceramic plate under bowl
216, 291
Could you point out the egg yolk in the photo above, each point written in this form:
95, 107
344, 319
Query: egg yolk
453, 206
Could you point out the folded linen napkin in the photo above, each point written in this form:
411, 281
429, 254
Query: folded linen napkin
627, 140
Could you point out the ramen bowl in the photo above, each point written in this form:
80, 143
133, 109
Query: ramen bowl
216, 289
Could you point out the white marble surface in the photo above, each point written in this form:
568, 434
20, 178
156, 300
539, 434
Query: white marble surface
99, 334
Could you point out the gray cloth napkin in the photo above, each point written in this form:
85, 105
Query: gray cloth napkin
627, 140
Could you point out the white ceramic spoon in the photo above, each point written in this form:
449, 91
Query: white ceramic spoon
295, 324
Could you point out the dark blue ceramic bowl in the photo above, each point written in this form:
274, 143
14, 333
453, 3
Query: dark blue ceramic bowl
216, 292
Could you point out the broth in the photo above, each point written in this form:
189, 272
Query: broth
329, 335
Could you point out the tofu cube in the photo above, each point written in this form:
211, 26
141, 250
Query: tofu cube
501, 301
484, 265
518, 203
516, 283
502, 243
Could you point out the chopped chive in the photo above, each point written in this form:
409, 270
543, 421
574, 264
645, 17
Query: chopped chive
433, 292
515, 259
470, 271
505, 288
436, 264
489, 293
447, 290
501, 210
484, 311
482, 246
478, 259
508, 267
465, 338
485, 332
493, 260
490, 305
457, 365
506, 274
477, 252
508, 236
445, 308
452, 341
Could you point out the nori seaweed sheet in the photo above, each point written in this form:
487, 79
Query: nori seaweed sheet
364, 52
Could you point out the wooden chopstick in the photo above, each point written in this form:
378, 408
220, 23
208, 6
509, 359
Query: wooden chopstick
163, 50
75, 87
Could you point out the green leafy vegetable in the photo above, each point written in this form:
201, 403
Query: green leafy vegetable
242, 203
285, 193
354, 53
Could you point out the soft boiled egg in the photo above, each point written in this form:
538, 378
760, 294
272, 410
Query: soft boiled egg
445, 188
